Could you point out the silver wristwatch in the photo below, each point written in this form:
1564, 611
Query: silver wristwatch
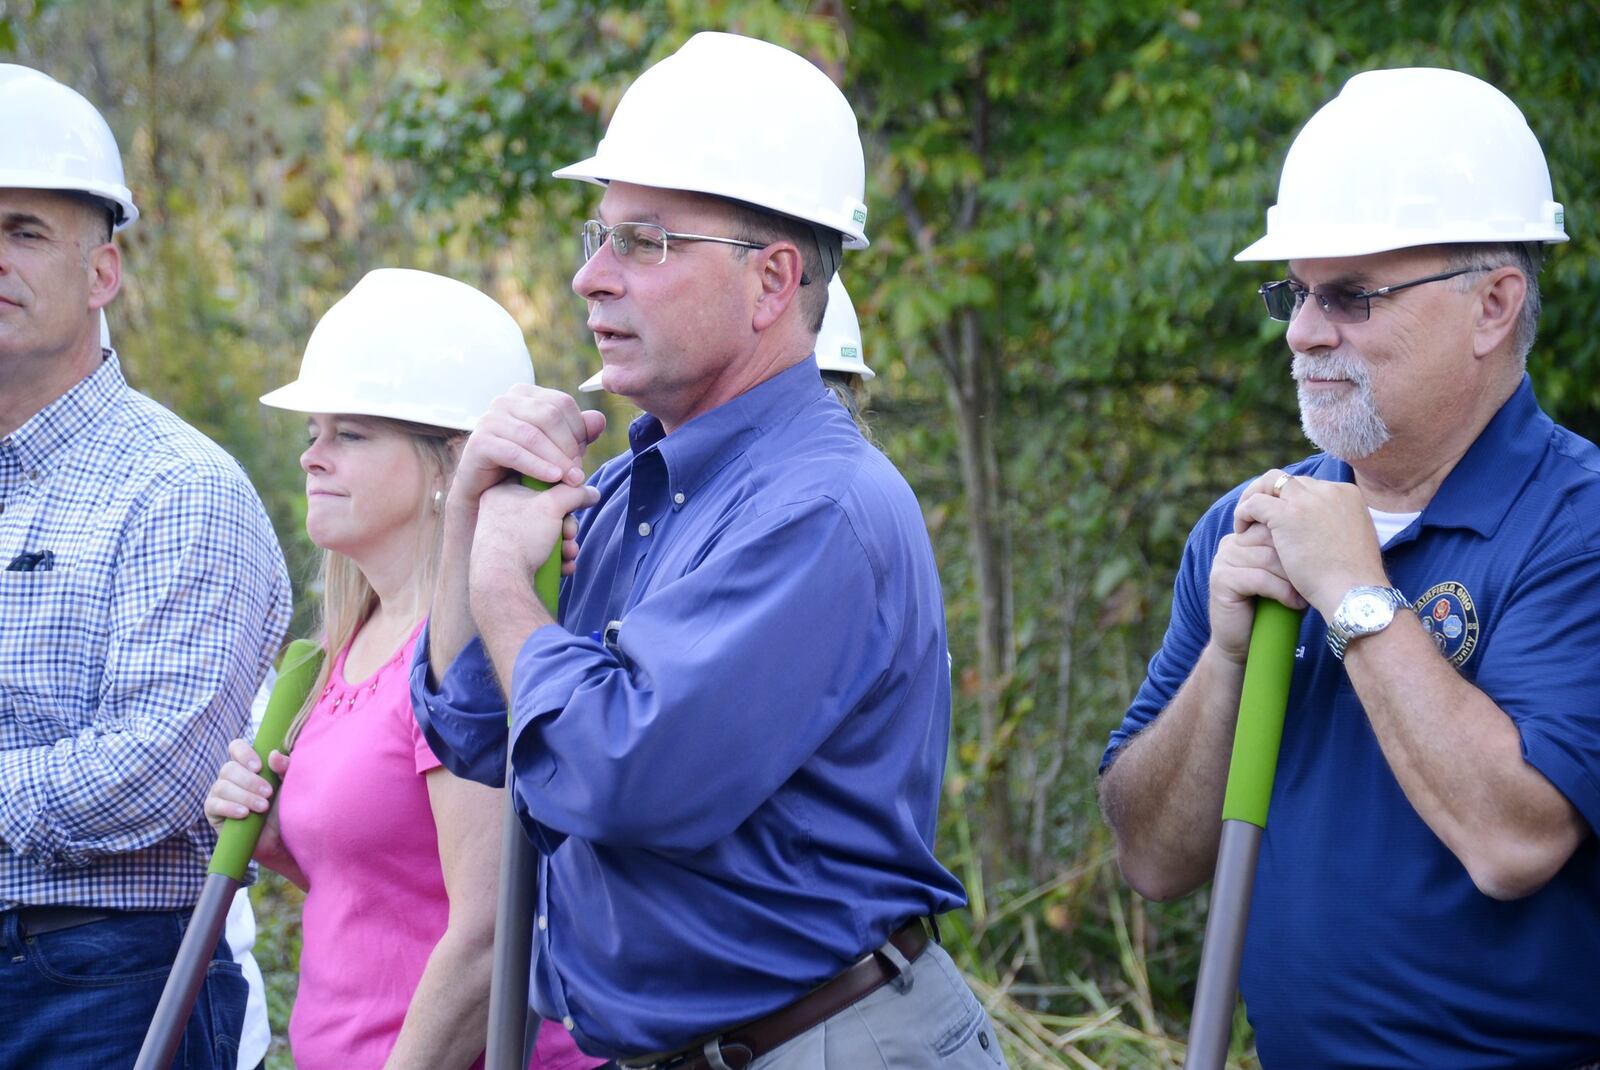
1363, 611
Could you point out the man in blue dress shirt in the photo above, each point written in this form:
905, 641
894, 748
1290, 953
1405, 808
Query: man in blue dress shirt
729, 750
1428, 892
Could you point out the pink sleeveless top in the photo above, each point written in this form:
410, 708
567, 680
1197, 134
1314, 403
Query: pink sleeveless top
355, 815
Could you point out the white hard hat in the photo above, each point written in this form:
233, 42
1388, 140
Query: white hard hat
1409, 157
736, 117
409, 345
105, 331
839, 342
52, 138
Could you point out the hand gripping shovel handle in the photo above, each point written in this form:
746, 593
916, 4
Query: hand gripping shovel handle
1262, 703
509, 1015
235, 845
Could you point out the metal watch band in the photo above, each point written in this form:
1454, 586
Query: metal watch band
1340, 635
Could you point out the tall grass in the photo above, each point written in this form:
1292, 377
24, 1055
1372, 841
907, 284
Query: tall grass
1104, 993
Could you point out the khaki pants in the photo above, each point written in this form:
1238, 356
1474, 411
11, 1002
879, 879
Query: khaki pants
937, 1023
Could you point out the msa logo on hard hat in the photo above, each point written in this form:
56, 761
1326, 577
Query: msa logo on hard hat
850, 352
860, 216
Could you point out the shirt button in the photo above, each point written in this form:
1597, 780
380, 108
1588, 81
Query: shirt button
644, 528
544, 923
679, 498
569, 1023
983, 1041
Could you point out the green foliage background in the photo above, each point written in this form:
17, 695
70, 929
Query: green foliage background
1071, 365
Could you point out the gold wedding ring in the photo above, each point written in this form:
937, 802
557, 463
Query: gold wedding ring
1279, 483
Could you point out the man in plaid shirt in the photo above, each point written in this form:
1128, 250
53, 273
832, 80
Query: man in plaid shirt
142, 597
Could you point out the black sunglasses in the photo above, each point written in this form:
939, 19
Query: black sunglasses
1339, 304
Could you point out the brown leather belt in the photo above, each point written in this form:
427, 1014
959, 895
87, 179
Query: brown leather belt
744, 1044
36, 921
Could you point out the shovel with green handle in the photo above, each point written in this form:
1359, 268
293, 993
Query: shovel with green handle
1262, 703
512, 1025
235, 846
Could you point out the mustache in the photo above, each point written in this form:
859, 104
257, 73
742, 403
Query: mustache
1328, 366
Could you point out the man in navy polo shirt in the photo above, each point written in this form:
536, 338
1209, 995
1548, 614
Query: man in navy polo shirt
1428, 893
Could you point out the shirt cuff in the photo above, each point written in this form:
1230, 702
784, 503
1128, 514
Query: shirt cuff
551, 672
464, 717
25, 824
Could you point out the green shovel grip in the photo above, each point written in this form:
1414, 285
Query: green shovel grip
547, 580
297, 672
1262, 702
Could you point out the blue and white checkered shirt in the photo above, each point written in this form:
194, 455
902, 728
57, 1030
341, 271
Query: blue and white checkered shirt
127, 666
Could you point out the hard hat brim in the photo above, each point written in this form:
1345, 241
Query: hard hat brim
1329, 243
597, 171
846, 368
300, 396
118, 196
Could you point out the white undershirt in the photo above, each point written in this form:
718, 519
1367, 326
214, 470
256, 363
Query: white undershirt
1391, 524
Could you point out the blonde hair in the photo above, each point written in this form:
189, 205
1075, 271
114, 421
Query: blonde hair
851, 391
347, 598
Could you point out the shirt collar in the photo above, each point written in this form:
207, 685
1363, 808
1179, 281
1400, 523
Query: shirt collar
697, 450
1478, 491
47, 435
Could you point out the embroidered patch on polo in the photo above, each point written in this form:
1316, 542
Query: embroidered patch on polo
1448, 615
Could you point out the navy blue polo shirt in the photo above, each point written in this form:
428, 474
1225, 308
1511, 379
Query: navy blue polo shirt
1368, 944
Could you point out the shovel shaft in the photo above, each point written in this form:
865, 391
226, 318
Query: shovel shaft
188, 973
235, 845
513, 943
1211, 1024
1263, 700
509, 1010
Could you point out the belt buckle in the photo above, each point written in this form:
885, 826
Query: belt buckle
709, 1050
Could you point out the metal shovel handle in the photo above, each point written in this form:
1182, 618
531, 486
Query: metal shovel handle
1263, 700
235, 845
509, 1011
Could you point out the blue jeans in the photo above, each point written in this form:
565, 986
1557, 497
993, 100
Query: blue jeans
83, 997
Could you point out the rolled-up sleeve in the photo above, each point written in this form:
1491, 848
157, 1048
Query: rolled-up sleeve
463, 716
1539, 668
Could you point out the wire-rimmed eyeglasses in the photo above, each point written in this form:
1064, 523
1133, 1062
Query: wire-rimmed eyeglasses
643, 243
1340, 304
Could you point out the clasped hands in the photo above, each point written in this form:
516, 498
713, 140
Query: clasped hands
1302, 541
528, 431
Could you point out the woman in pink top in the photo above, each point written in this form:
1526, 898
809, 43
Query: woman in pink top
398, 857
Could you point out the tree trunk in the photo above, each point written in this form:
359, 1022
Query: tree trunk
973, 395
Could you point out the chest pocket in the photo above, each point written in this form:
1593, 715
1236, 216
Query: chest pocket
52, 648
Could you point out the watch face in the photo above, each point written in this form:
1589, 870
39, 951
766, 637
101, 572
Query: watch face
1367, 610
